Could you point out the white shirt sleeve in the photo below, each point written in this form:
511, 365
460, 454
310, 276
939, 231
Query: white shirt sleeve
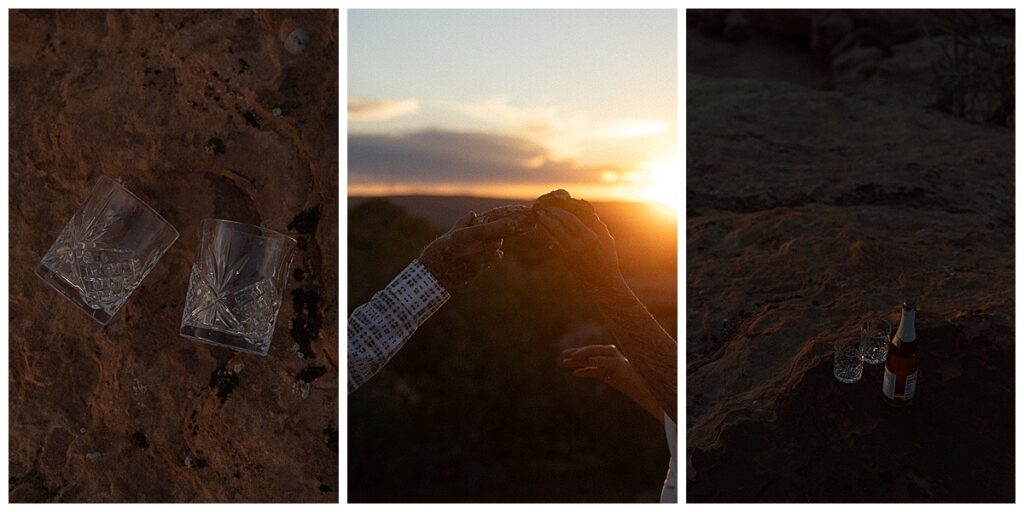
379, 328
668, 492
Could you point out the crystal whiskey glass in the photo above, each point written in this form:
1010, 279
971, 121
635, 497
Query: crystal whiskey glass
107, 248
234, 291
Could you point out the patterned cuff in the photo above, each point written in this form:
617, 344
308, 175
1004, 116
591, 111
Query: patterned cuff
379, 328
418, 292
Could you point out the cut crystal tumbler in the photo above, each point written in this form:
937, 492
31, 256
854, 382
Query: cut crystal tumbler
234, 292
105, 250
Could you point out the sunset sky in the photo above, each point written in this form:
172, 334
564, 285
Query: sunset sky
513, 103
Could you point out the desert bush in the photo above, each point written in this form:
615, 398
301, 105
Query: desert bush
974, 77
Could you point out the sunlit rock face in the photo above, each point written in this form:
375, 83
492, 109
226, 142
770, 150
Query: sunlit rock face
810, 210
225, 114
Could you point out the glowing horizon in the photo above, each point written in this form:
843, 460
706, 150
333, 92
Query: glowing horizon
525, 193
514, 103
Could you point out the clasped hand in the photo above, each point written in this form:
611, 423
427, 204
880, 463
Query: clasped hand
457, 256
589, 251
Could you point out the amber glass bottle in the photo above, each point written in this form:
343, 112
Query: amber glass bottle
901, 365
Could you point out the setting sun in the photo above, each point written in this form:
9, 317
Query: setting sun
471, 131
664, 185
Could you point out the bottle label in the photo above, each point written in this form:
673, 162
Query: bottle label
908, 394
889, 386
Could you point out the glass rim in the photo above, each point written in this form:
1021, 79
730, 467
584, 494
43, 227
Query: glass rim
260, 230
876, 326
104, 177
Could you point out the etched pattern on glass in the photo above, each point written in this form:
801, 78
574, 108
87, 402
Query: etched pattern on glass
105, 250
849, 363
103, 275
222, 299
874, 339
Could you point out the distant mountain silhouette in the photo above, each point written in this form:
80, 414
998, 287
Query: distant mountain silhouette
442, 211
646, 238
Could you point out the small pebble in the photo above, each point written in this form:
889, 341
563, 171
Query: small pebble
188, 461
297, 41
277, 112
94, 455
81, 430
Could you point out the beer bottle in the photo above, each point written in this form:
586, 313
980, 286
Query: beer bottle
900, 382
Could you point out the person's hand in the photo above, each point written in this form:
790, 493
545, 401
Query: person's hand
457, 256
607, 364
590, 252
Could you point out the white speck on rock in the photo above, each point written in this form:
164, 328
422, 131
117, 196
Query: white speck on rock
297, 41
94, 455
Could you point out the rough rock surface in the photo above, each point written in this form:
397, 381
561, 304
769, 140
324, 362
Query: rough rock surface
808, 212
201, 114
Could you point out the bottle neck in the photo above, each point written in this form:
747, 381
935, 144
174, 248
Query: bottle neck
906, 332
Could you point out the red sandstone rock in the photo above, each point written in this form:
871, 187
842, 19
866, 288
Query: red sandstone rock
808, 212
201, 114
